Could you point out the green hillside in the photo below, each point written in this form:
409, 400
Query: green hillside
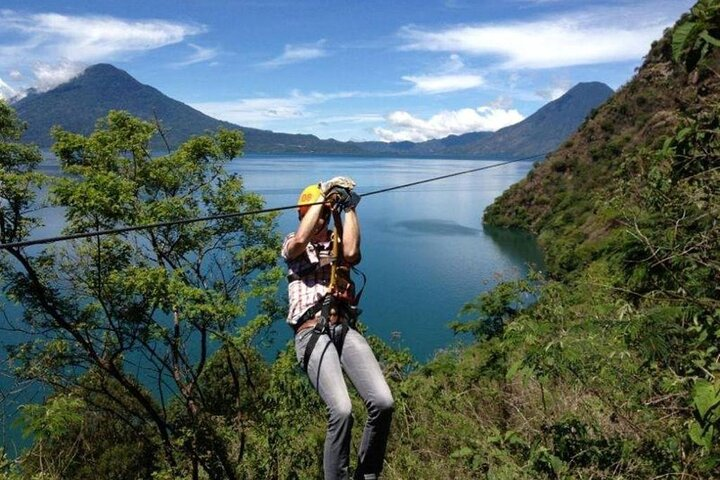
569, 198
627, 333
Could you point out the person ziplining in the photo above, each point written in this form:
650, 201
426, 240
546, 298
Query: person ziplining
323, 313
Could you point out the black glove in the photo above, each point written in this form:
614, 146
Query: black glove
351, 201
343, 198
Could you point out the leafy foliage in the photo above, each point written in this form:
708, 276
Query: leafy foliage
493, 309
693, 39
18, 180
139, 312
630, 332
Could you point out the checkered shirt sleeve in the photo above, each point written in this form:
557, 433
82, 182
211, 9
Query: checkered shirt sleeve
303, 293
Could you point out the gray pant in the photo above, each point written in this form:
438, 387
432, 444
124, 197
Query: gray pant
325, 372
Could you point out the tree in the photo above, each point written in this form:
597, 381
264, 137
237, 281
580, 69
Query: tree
140, 312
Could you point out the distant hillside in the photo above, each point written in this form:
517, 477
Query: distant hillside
429, 148
543, 131
77, 104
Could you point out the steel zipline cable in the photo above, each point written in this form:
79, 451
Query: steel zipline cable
223, 216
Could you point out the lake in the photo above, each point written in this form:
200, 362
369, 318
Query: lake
425, 250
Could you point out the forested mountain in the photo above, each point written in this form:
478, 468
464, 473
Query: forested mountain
77, 104
543, 131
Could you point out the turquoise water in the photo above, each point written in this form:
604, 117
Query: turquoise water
425, 250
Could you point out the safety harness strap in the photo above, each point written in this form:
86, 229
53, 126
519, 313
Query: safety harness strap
334, 299
310, 268
346, 313
320, 328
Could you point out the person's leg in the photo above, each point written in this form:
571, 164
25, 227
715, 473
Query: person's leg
362, 368
326, 376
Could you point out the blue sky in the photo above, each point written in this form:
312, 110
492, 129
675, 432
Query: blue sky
350, 70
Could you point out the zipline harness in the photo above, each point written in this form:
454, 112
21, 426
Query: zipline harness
339, 304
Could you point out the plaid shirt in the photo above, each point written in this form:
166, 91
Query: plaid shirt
313, 268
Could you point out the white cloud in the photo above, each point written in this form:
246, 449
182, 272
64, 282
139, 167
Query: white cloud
16, 75
259, 111
456, 122
594, 36
48, 38
554, 91
91, 38
253, 111
454, 64
444, 83
6, 91
450, 77
48, 76
297, 54
503, 101
355, 119
200, 54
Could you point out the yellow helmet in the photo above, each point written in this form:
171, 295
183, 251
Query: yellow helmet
309, 196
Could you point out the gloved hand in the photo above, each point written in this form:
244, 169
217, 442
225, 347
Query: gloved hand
351, 202
344, 182
344, 198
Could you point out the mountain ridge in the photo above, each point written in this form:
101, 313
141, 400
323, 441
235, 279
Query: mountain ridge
77, 104
104, 87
